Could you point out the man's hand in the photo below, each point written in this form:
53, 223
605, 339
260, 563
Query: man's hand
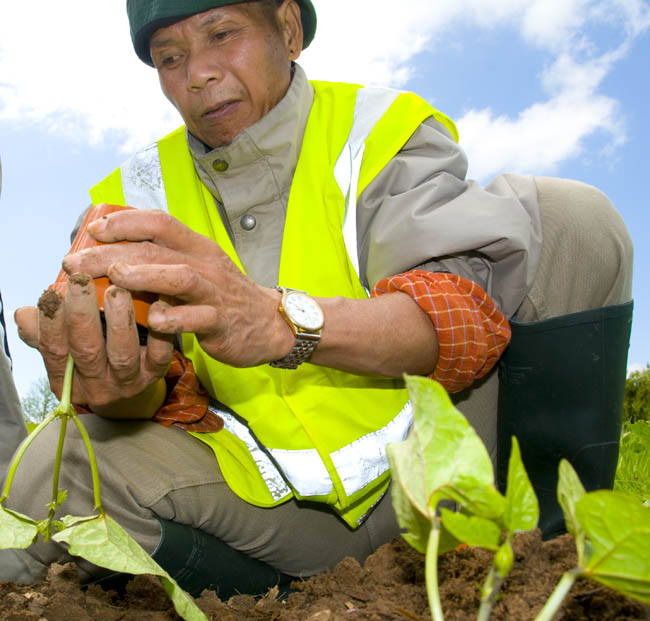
235, 320
114, 376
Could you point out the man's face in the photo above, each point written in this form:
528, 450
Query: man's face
224, 69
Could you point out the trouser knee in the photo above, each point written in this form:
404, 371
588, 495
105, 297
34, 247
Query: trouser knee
586, 258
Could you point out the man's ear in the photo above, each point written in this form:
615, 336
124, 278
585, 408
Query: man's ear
291, 27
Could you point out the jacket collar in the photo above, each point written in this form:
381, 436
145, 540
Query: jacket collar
275, 138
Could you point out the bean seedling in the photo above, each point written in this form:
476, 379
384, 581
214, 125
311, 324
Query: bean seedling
443, 461
97, 538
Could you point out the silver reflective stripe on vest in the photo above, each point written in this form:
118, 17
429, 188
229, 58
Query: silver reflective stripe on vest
142, 180
274, 480
358, 464
305, 471
370, 106
362, 461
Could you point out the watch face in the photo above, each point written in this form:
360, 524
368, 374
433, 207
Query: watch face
303, 311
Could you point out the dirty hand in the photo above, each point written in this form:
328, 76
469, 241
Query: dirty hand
114, 376
234, 319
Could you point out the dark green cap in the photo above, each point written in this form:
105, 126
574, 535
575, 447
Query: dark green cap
146, 16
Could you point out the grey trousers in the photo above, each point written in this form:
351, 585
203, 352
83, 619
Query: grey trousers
147, 470
11, 416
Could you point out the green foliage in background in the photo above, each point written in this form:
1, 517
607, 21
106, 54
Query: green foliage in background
633, 471
39, 401
636, 404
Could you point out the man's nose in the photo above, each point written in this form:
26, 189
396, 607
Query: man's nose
202, 67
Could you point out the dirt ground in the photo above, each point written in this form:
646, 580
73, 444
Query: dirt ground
389, 586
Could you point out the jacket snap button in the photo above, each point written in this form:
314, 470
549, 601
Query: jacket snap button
248, 222
220, 165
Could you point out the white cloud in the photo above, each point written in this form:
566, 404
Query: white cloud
550, 132
75, 73
547, 133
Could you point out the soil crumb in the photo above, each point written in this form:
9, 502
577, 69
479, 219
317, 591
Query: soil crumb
80, 279
389, 585
49, 303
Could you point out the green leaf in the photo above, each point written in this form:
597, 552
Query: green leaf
504, 558
474, 531
102, 541
569, 491
522, 508
442, 457
16, 530
481, 500
618, 528
447, 541
60, 499
418, 526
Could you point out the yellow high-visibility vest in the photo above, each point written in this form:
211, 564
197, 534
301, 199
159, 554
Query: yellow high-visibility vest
312, 433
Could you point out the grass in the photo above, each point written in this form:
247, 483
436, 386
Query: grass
633, 472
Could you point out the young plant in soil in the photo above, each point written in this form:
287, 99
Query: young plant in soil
443, 460
612, 536
97, 538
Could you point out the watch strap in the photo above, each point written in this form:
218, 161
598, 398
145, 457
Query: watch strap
300, 352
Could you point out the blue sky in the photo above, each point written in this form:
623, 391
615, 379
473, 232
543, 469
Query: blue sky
546, 87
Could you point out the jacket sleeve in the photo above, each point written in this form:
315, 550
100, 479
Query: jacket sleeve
421, 211
472, 332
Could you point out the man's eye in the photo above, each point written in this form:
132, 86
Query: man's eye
221, 35
166, 61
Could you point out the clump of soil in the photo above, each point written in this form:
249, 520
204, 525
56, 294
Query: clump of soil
389, 585
80, 279
49, 303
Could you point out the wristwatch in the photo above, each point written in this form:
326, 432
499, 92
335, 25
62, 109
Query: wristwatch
305, 318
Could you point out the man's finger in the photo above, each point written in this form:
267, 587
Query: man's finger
181, 319
150, 225
96, 261
122, 343
52, 340
160, 346
84, 328
26, 319
179, 281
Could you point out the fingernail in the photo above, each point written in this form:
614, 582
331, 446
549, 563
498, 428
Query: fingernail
72, 262
97, 226
119, 268
80, 279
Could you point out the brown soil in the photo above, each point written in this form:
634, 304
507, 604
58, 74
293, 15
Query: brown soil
49, 303
389, 586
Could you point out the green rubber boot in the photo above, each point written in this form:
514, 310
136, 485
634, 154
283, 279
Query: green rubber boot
561, 386
198, 561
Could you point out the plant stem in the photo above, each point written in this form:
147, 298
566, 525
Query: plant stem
66, 394
554, 602
431, 571
55, 476
66, 406
91, 459
24, 445
491, 589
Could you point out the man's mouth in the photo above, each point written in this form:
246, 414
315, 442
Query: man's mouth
220, 110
